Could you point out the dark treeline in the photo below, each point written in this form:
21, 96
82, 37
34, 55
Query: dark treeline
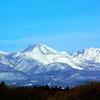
87, 91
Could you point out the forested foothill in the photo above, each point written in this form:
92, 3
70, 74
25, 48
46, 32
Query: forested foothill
86, 91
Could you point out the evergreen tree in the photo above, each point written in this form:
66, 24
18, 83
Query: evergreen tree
67, 88
2, 84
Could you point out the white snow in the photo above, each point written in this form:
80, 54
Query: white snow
28, 84
34, 81
11, 76
5, 53
37, 59
91, 54
93, 77
49, 84
14, 83
49, 59
46, 55
75, 75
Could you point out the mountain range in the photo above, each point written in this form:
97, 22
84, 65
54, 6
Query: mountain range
39, 64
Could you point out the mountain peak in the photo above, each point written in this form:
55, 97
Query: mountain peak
40, 48
91, 48
92, 54
35, 45
31, 47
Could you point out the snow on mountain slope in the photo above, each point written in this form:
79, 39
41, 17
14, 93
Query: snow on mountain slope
45, 58
3, 53
38, 58
40, 48
42, 63
39, 52
4, 58
12, 75
91, 54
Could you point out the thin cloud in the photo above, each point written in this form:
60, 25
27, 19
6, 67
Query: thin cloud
69, 42
67, 36
53, 38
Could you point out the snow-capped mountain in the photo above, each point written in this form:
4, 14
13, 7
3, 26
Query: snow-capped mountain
91, 54
91, 57
40, 64
45, 58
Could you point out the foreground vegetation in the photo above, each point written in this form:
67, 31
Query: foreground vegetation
87, 91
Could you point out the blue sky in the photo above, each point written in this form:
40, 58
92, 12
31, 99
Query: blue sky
65, 25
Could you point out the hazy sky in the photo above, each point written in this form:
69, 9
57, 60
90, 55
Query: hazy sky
65, 25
